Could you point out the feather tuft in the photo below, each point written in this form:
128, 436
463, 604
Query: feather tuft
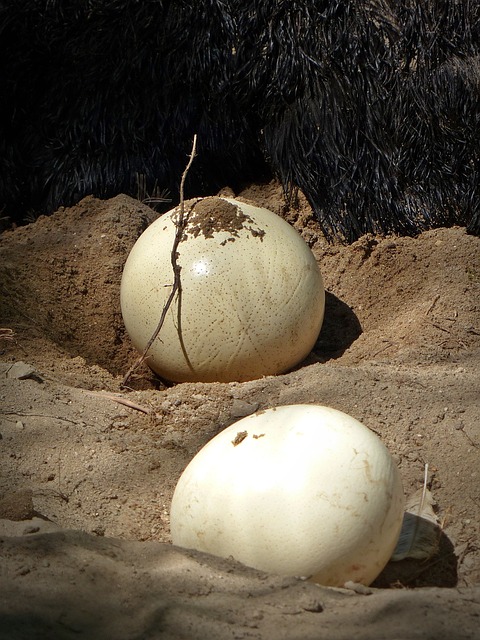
420, 534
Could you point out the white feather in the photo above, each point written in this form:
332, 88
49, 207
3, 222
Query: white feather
420, 534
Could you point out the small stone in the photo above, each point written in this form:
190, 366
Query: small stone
315, 606
99, 531
21, 371
17, 506
241, 408
357, 587
30, 529
257, 614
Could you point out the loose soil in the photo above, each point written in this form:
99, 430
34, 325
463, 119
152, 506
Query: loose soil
88, 467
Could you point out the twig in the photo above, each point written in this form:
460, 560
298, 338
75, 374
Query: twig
38, 415
120, 400
387, 346
435, 300
7, 334
437, 326
471, 441
180, 227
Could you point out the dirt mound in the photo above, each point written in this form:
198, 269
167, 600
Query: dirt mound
399, 350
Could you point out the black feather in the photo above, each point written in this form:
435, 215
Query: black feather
370, 107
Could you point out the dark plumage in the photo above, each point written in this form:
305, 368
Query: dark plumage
371, 107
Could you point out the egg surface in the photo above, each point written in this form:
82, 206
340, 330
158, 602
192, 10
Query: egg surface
301, 490
251, 301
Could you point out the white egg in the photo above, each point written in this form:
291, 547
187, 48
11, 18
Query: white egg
251, 302
301, 490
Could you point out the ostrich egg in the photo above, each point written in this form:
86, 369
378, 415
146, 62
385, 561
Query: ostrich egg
251, 300
301, 490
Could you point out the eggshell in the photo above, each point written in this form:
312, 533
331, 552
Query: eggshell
252, 297
301, 490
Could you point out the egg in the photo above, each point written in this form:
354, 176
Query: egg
301, 490
251, 301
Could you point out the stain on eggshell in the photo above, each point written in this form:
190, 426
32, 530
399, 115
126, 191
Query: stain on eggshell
240, 437
209, 216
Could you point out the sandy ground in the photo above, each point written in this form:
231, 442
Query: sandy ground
86, 481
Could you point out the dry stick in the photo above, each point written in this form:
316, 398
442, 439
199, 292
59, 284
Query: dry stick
180, 227
120, 400
22, 414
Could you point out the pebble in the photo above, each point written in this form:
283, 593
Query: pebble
358, 588
30, 529
315, 606
241, 408
21, 371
